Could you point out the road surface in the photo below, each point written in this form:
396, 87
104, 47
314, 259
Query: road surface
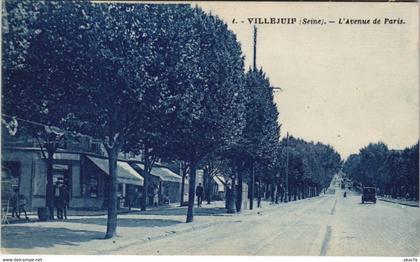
328, 225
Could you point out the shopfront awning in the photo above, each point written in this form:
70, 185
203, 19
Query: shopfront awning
220, 181
125, 173
163, 173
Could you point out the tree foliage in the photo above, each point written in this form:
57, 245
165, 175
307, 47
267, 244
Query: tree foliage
310, 166
394, 172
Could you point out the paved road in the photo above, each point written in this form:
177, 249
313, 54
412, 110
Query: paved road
328, 225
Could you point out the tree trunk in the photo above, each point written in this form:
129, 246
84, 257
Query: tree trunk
107, 182
148, 165
273, 191
209, 191
207, 185
49, 201
300, 191
231, 203
182, 187
191, 193
251, 188
267, 191
259, 191
227, 197
184, 177
111, 227
240, 190
146, 177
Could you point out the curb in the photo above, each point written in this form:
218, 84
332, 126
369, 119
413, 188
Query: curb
399, 203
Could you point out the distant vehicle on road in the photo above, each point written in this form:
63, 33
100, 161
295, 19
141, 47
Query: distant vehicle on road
369, 194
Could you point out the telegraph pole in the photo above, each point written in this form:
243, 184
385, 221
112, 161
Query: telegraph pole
255, 48
252, 184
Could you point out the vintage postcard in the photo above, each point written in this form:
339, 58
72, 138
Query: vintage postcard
210, 128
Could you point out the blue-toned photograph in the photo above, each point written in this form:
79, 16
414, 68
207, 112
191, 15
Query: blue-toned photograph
209, 128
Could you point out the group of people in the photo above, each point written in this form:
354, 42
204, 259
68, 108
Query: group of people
132, 198
133, 195
18, 201
61, 199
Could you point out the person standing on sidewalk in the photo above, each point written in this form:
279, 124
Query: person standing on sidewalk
22, 205
65, 198
199, 191
130, 199
155, 196
18, 203
14, 203
58, 200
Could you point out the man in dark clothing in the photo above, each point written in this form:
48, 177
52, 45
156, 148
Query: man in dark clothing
199, 191
58, 200
14, 203
18, 203
65, 198
22, 206
130, 199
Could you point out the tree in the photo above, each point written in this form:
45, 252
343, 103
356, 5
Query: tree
394, 172
311, 166
372, 158
205, 93
37, 71
261, 132
117, 77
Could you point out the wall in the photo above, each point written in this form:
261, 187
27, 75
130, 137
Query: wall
27, 160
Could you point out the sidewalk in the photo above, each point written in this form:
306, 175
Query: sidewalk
400, 201
33, 217
84, 234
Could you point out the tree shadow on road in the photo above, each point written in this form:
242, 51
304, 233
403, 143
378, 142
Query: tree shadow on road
182, 211
126, 222
17, 236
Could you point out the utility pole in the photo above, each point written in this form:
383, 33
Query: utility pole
287, 168
255, 48
252, 183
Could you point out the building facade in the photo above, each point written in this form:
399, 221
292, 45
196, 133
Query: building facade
83, 168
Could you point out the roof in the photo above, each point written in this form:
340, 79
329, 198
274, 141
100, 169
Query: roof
163, 173
125, 173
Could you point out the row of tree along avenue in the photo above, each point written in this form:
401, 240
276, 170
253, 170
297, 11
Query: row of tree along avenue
394, 172
165, 80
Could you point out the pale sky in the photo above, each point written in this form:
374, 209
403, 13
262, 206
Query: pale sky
345, 85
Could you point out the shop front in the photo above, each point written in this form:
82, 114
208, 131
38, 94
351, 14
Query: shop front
164, 182
85, 176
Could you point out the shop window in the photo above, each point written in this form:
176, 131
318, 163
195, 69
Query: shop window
92, 187
61, 175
